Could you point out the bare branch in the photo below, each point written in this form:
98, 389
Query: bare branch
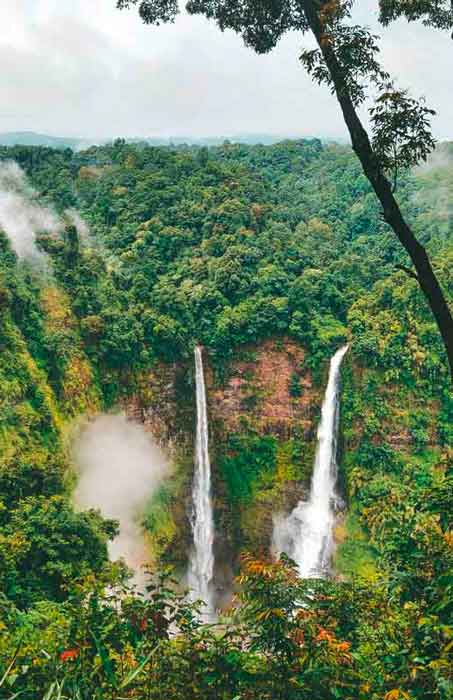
408, 271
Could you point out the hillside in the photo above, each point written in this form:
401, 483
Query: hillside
270, 258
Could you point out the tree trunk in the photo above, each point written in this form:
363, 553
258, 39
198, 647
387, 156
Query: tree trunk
373, 171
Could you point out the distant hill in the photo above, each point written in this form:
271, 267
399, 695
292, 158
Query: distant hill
31, 138
247, 139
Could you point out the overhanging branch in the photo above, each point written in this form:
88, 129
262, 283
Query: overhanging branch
408, 271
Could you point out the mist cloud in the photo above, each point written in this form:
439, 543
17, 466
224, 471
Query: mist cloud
21, 216
436, 192
120, 467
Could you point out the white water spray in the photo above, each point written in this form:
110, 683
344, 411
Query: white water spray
306, 535
120, 466
202, 561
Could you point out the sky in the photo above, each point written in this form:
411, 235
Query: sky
83, 68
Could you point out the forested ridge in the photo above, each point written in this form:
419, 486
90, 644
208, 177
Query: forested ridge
230, 247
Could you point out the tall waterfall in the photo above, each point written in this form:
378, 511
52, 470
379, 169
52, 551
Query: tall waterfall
306, 535
202, 561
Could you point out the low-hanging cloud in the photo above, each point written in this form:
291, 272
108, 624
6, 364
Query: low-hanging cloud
439, 159
21, 215
120, 467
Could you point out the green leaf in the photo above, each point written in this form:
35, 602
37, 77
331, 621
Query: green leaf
105, 660
137, 670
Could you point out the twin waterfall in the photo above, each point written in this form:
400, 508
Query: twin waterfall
201, 566
306, 535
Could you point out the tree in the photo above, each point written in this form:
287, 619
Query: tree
346, 59
46, 545
433, 13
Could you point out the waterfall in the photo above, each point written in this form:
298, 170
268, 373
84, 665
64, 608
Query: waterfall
202, 521
306, 535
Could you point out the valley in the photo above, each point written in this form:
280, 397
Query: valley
169, 316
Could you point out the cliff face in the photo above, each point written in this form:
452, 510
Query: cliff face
155, 404
263, 417
270, 390
263, 420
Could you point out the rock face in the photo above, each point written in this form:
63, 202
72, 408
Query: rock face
164, 404
163, 401
269, 392
269, 389
258, 392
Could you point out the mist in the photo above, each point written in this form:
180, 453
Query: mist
120, 466
73, 216
21, 216
435, 195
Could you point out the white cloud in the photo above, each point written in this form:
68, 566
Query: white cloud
21, 217
85, 68
120, 467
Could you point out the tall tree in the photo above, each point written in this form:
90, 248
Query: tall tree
346, 59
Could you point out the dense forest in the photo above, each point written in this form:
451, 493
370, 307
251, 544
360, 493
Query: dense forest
271, 258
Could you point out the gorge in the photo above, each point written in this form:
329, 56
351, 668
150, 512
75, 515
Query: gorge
120, 466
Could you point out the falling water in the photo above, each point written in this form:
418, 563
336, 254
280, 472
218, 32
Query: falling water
306, 535
202, 561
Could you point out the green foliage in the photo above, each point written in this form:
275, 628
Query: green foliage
355, 557
248, 461
287, 640
166, 520
227, 246
45, 546
435, 14
295, 389
226, 249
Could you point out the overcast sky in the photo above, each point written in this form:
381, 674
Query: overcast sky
83, 68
